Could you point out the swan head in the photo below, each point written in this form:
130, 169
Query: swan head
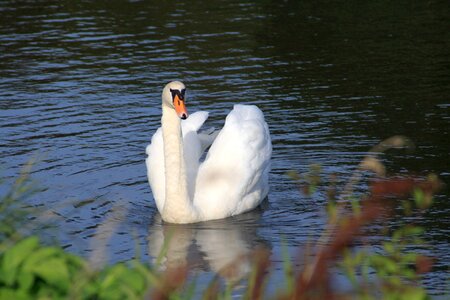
173, 96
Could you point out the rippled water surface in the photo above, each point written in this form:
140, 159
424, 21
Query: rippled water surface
80, 86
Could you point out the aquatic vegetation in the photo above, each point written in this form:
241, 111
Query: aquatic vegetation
13, 212
31, 270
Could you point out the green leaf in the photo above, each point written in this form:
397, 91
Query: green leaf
113, 287
54, 272
413, 230
89, 290
407, 207
414, 293
39, 256
293, 175
409, 258
146, 272
75, 261
26, 280
389, 247
8, 293
112, 274
121, 282
14, 256
408, 273
419, 197
133, 280
391, 266
48, 292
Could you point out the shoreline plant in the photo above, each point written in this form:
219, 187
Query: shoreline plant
31, 270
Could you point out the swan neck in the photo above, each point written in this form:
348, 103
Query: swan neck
178, 207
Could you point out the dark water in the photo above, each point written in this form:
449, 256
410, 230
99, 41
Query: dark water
80, 87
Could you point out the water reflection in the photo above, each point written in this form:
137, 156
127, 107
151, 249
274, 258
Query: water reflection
221, 246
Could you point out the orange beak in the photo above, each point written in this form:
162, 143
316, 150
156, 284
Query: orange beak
180, 107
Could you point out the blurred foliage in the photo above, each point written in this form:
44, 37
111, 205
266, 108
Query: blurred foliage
31, 270
13, 210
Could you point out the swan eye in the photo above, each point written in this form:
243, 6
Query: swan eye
173, 92
178, 93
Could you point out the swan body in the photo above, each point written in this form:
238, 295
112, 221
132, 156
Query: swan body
232, 179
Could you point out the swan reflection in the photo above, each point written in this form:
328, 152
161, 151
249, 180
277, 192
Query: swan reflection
222, 246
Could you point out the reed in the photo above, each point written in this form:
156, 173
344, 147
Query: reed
31, 270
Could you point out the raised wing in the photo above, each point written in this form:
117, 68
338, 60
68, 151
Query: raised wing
234, 176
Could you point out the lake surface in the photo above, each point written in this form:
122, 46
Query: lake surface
80, 87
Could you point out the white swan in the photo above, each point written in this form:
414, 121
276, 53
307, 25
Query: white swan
232, 179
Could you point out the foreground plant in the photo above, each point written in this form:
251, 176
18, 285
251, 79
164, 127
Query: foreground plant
392, 273
31, 270
13, 210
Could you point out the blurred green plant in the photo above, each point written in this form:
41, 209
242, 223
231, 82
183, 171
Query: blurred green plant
13, 210
31, 270
390, 273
